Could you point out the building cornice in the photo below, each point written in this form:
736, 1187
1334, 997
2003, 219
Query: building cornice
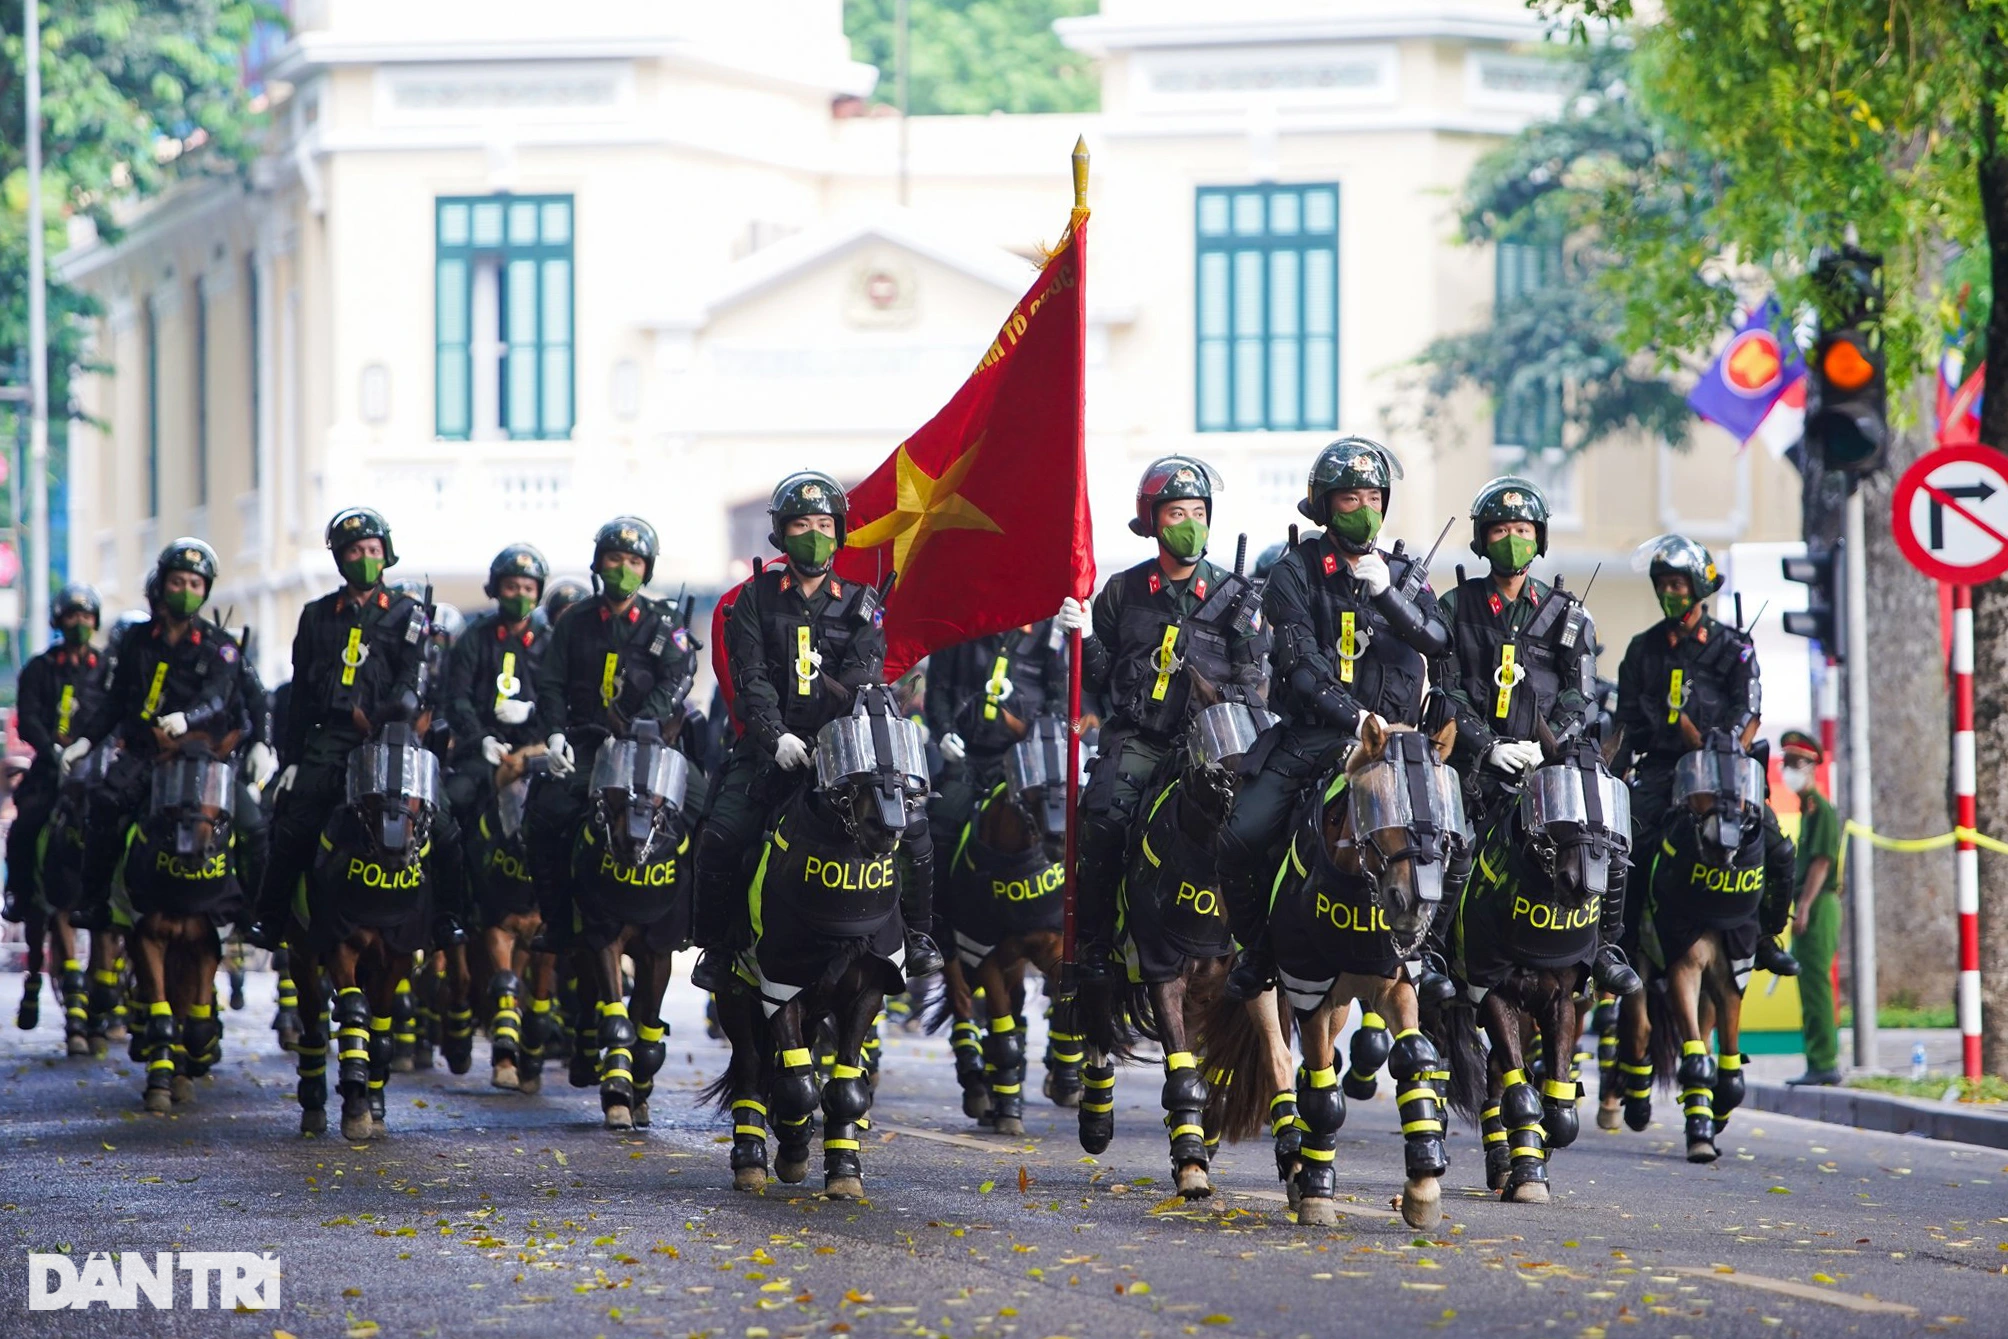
1099, 36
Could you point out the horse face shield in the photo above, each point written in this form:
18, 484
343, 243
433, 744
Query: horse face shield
1035, 776
1407, 813
194, 793
394, 785
1724, 787
1220, 737
1577, 817
877, 756
638, 787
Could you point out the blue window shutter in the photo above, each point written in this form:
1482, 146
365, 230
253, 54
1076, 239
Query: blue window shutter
1265, 308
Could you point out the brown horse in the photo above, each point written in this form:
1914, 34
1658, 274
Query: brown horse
513, 977
1353, 900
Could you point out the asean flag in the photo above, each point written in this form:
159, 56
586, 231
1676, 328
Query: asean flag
1754, 369
983, 512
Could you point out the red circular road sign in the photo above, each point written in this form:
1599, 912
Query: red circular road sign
1949, 514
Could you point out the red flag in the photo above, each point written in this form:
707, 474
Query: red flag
983, 512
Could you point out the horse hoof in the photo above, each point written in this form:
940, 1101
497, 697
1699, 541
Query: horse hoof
793, 1173
118, 1032
1422, 1202
1068, 1096
1702, 1150
378, 1130
506, 1077
404, 1064
314, 1120
1319, 1212
100, 1047
1610, 1118
529, 1084
423, 1057
976, 1103
752, 1180
1193, 1182
844, 1188
620, 1118
78, 1046
159, 1101
1010, 1125
183, 1089
289, 1041
641, 1117
1527, 1192
357, 1128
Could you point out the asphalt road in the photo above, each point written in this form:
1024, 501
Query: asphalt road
488, 1213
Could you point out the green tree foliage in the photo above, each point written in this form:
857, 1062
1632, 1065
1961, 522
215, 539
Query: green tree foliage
1586, 185
970, 57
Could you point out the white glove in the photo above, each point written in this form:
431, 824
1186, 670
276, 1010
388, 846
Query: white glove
952, 748
286, 778
1370, 570
791, 752
815, 660
513, 710
1001, 689
560, 753
493, 751
74, 752
1515, 757
1073, 615
260, 761
175, 724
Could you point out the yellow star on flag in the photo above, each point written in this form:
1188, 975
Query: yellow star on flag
923, 505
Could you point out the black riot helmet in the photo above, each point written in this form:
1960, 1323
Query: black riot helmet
1168, 479
518, 560
354, 523
1265, 561
1677, 555
562, 594
807, 493
1350, 462
187, 554
1509, 498
75, 597
627, 534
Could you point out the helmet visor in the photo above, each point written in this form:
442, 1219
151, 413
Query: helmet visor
1180, 476
1675, 551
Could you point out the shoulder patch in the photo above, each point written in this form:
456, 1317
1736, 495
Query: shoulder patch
681, 639
226, 652
1747, 652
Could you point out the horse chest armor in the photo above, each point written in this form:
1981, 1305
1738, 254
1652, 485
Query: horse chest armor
1507, 920
1157, 640
1711, 891
834, 887
995, 894
1511, 678
636, 893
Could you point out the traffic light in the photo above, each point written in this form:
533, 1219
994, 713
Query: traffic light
1847, 409
1824, 573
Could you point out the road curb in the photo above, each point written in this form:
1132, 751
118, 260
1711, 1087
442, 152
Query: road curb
1882, 1112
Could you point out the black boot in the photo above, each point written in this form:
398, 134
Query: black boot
1612, 971
713, 969
923, 959
1774, 959
1254, 971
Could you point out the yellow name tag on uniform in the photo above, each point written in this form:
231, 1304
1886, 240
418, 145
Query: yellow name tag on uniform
352, 657
1674, 696
1164, 664
1348, 646
805, 669
1509, 675
610, 679
153, 692
505, 683
66, 708
999, 673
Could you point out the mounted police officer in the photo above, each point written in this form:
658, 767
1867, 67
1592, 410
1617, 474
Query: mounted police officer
1173, 612
559, 596
799, 642
1353, 627
491, 692
610, 660
358, 664
1681, 679
176, 674
1522, 653
60, 689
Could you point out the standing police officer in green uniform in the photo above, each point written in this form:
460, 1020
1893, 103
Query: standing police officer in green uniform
610, 661
800, 641
1816, 921
491, 691
1173, 611
1349, 642
358, 665
1521, 653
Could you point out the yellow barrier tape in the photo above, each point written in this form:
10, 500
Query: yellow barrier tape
1937, 843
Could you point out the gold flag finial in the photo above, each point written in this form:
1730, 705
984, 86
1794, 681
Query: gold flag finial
1081, 172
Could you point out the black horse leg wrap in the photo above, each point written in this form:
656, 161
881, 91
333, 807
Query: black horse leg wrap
1004, 1066
203, 1036
404, 1015
381, 1047
847, 1096
840, 1151
1697, 1079
1559, 1121
76, 1010
1184, 1098
106, 1000
965, 1040
311, 1068
1498, 1154
1320, 1103
162, 1034
1316, 1176
795, 1088
352, 1039
457, 1040
1097, 1113
537, 1028
649, 1053
749, 1134
1728, 1087
1413, 1061
617, 1038
1369, 1051
506, 992
1520, 1108
1606, 1025
1286, 1131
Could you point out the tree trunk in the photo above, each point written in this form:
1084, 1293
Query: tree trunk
1990, 618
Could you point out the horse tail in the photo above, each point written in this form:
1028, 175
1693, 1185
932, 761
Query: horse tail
718, 1093
1663, 1046
1237, 1106
1101, 1016
1454, 1029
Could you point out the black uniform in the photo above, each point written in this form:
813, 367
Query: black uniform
199, 676
489, 664
60, 689
354, 652
771, 631
600, 671
1147, 629
249, 826
960, 701
1337, 654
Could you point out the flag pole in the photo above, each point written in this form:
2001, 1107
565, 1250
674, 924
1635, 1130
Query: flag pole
1069, 899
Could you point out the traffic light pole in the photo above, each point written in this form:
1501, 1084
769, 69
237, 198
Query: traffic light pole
1861, 851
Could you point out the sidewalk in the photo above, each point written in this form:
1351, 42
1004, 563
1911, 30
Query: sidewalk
1963, 1122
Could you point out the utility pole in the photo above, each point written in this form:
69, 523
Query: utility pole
37, 604
1861, 790
902, 47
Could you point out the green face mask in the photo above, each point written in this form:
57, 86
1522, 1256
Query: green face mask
362, 573
621, 581
77, 634
1186, 540
811, 550
183, 603
1358, 526
516, 608
1675, 605
1511, 553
